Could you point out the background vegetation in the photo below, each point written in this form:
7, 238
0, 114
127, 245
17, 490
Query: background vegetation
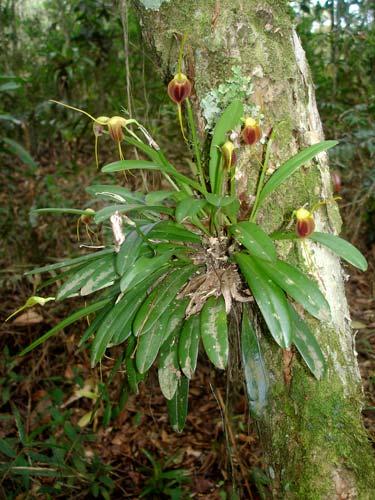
89, 53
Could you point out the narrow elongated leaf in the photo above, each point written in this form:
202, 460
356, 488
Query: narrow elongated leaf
257, 242
85, 311
214, 331
256, 378
51, 210
6, 449
77, 280
178, 405
296, 284
160, 299
342, 248
106, 212
307, 345
117, 322
270, 298
70, 262
165, 167
176, 319
228, 120
113, 192
149, 151
170, 231
142, 268
95, 324
187, 208
117, 166
188, 345
219, 201
102, 277
292, 165
281, 235
158, 196
168, 369
8, 86
133, 376
150, 343
129, 252
18, 150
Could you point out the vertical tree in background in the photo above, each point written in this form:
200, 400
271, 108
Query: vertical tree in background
312, 431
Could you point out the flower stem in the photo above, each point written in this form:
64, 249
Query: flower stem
261, 178
196, 144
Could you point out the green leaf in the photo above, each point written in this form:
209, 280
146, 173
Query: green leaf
150, 343
51, 210
178, 405
117, 193
142, 268
6, 449
85, 311
227, 121
160, 299
117, 322
95, 324
177, 315
307, 345
168, 369
219, 201
270, 299
18, 150
106, 212
90, 278
133, 376
296, 284
129, 252
10, 118
214, 331
102, 277
255, 372
8, 86
149, 151
19, 424
342, 248
171, 231
118, 166
280, 235
232, 211
159, 196
257, 242
70, 262
187, 208
292, 165
166, 167
188, 346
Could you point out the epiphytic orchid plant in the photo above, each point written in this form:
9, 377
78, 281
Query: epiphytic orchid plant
181, 259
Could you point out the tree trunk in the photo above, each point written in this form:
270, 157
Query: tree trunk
314, 441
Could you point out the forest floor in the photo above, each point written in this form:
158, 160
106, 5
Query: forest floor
53, 387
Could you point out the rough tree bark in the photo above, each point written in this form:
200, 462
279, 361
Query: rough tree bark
312, 432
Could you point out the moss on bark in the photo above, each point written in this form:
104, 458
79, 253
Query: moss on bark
313, 435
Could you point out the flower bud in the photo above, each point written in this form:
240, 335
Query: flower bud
179, 88
115, 125
227, 150
336, 182
251, 132
305, 223
87, 216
